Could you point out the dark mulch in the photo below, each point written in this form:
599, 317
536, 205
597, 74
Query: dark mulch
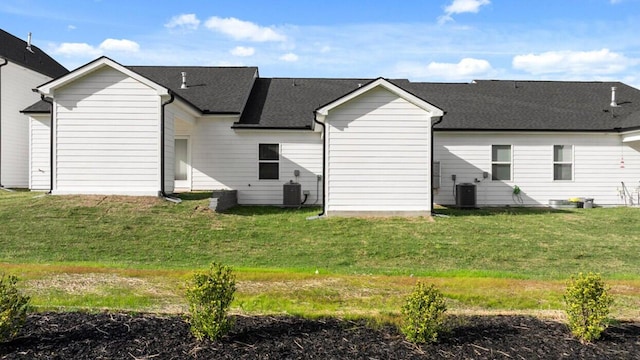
119, 336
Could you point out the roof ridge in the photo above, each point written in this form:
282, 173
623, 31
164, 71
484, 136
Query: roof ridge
313, 78
191, 66
550, 81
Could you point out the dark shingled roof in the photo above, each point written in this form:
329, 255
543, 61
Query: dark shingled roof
40, 107
484, 105
288, 103
15, 50
532, 105
211, 90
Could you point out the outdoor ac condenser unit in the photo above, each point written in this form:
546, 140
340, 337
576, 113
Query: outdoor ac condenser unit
292, 194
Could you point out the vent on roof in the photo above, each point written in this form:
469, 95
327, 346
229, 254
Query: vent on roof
29, 43
614, 103
184, 81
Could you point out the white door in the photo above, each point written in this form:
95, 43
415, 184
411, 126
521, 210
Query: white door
182, 164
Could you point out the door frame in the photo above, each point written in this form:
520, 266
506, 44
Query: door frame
183, 185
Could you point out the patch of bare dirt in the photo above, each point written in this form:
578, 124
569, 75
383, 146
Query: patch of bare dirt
120, 336
143, 202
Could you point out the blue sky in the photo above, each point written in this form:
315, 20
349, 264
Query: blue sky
422, 40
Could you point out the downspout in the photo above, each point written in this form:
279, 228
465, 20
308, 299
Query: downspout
50, 102
324, 164
431, 164
1, 65
162, 140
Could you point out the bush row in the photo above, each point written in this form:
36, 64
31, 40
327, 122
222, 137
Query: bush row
211, 292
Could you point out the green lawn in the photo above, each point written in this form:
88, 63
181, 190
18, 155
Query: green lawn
484, 259
149, 233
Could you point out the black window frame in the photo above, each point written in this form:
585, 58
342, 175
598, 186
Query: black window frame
268, 161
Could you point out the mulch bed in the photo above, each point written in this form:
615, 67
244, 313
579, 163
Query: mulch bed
120, 336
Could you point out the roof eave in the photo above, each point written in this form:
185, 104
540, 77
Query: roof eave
435, 111
48, 88
614, 130
237, 126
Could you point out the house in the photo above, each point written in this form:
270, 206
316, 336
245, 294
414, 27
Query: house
23, 66
355, 146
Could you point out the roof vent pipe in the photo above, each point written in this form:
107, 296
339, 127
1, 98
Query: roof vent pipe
29, 42
613, 97
184, 81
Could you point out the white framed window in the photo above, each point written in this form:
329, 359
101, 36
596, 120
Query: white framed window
268, 161
562, 162
501, 162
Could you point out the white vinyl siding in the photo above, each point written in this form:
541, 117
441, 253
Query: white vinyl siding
224, 158
597, 171
17, 83
107, 136
378, 155
39, 135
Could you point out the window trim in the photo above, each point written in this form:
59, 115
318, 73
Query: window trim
510, 163
568, 162
269, 161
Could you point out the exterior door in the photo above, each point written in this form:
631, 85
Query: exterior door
182, 163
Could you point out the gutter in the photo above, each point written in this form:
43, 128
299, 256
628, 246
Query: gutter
324, 165
433, 213
1, 65
162, 140
50, 143
301, 128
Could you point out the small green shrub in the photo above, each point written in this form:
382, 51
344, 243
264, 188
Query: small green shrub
210, 295
423, 314
13, 308
587, 305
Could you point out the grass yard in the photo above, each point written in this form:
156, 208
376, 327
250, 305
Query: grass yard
135, 253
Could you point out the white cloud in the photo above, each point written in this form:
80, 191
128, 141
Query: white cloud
465, 70
183, 21
71, 27
87, 51
289, 57
243, 30
589, 63
243, 51
460, 7
119, 45
76, 49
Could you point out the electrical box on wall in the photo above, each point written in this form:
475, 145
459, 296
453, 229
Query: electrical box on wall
435, 175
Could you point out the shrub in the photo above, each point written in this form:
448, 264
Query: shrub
210, 295
423, 314
13, 308
587, 306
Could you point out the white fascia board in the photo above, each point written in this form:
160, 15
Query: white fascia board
631, 136
48, 89
322, 112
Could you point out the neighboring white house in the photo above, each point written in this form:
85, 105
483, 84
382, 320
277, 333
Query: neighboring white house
355, 146
23, 66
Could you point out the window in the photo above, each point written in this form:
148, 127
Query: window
268, 161
501, 162
562, 162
